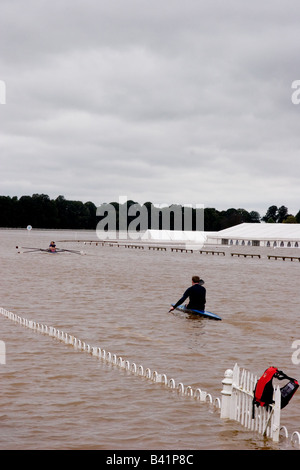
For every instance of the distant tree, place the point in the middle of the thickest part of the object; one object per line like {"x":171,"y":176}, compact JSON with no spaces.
{"x":244,"y":216}
{"x":275,"y":214}
{"x":254,"y":217}
{"x":76,"y":215}
{"x":212,"y":220}
{"x":290,"y":219}
{"x":91,"y":215}
{"x":271,"y":215}
{"x":215,"y":220}
{"x":282,"y":214}
{"x":8,"y":207}
{"x":229,"y":218}
{"x":61,"y":205}
{"x":44,"y":211}
{"x":40,"y":211}
{"x":25,"y":212}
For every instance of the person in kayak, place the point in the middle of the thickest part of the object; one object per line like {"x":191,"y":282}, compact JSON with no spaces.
{"x":196,"y":294}
{"x":52,"y":247}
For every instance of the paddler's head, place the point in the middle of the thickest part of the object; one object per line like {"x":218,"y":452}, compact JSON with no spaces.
{"x":197,"y":280}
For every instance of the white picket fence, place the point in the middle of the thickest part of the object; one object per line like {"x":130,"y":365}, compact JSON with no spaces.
{"x":237,"y":393}
{"x":237,"y":404}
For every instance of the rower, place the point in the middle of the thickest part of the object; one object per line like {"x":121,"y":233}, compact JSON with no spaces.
{"x":52,"y":247}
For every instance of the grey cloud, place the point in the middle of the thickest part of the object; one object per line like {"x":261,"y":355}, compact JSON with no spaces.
{"x":178,"y":101}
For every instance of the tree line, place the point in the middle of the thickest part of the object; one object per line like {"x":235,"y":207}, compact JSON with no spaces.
{"x":40,"y":211}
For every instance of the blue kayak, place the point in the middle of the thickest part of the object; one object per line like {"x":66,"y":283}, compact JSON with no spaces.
{"x":213,"y":316}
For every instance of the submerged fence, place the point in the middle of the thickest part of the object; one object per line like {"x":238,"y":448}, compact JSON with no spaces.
{"x":237,"y":393}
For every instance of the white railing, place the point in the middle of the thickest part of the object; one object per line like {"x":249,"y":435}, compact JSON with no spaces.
{"x":237,"y":393}
{"x":237,"y":404}
{"x":113,"y":359}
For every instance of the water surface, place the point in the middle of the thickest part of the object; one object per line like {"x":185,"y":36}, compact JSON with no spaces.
{"x":116,"y":298}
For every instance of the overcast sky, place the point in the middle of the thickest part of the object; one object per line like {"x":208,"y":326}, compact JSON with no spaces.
{"x":168,"y":101}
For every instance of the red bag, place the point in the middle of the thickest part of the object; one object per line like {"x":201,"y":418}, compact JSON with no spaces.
{"x":263,"y":392}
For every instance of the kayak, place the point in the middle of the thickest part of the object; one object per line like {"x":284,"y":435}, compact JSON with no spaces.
{"x":206,"y":314}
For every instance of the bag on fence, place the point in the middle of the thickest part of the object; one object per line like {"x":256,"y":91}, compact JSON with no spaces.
{"x":263,"y":392}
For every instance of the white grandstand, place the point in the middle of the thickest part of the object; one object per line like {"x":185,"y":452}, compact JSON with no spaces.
{"x":263,"y":234}
{"x":269,"y":235}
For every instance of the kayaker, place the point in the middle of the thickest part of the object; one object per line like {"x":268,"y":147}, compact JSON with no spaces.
{"x":196,"y":294}
{"x":52,"y":247}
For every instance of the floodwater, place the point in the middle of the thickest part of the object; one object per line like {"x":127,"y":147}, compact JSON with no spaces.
{"x":56,"y":397}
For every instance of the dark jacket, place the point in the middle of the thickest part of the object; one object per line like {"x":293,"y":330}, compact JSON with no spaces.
{"x":197,"y":296}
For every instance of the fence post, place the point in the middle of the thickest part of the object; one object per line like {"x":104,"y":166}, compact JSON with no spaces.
{"x":226,"y":394}
{"x":277,"y":411}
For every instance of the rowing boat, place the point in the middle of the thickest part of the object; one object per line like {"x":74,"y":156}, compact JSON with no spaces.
{"x":47,"y":251}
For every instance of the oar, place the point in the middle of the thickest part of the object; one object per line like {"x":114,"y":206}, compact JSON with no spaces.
{"x":37,"y":250}
{"x":76,"y":252}
{"x":29,"y":251}
{"x":31,"y":248}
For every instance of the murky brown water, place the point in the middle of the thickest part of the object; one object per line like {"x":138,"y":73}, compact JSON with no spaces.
{"x":54,"y":397}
